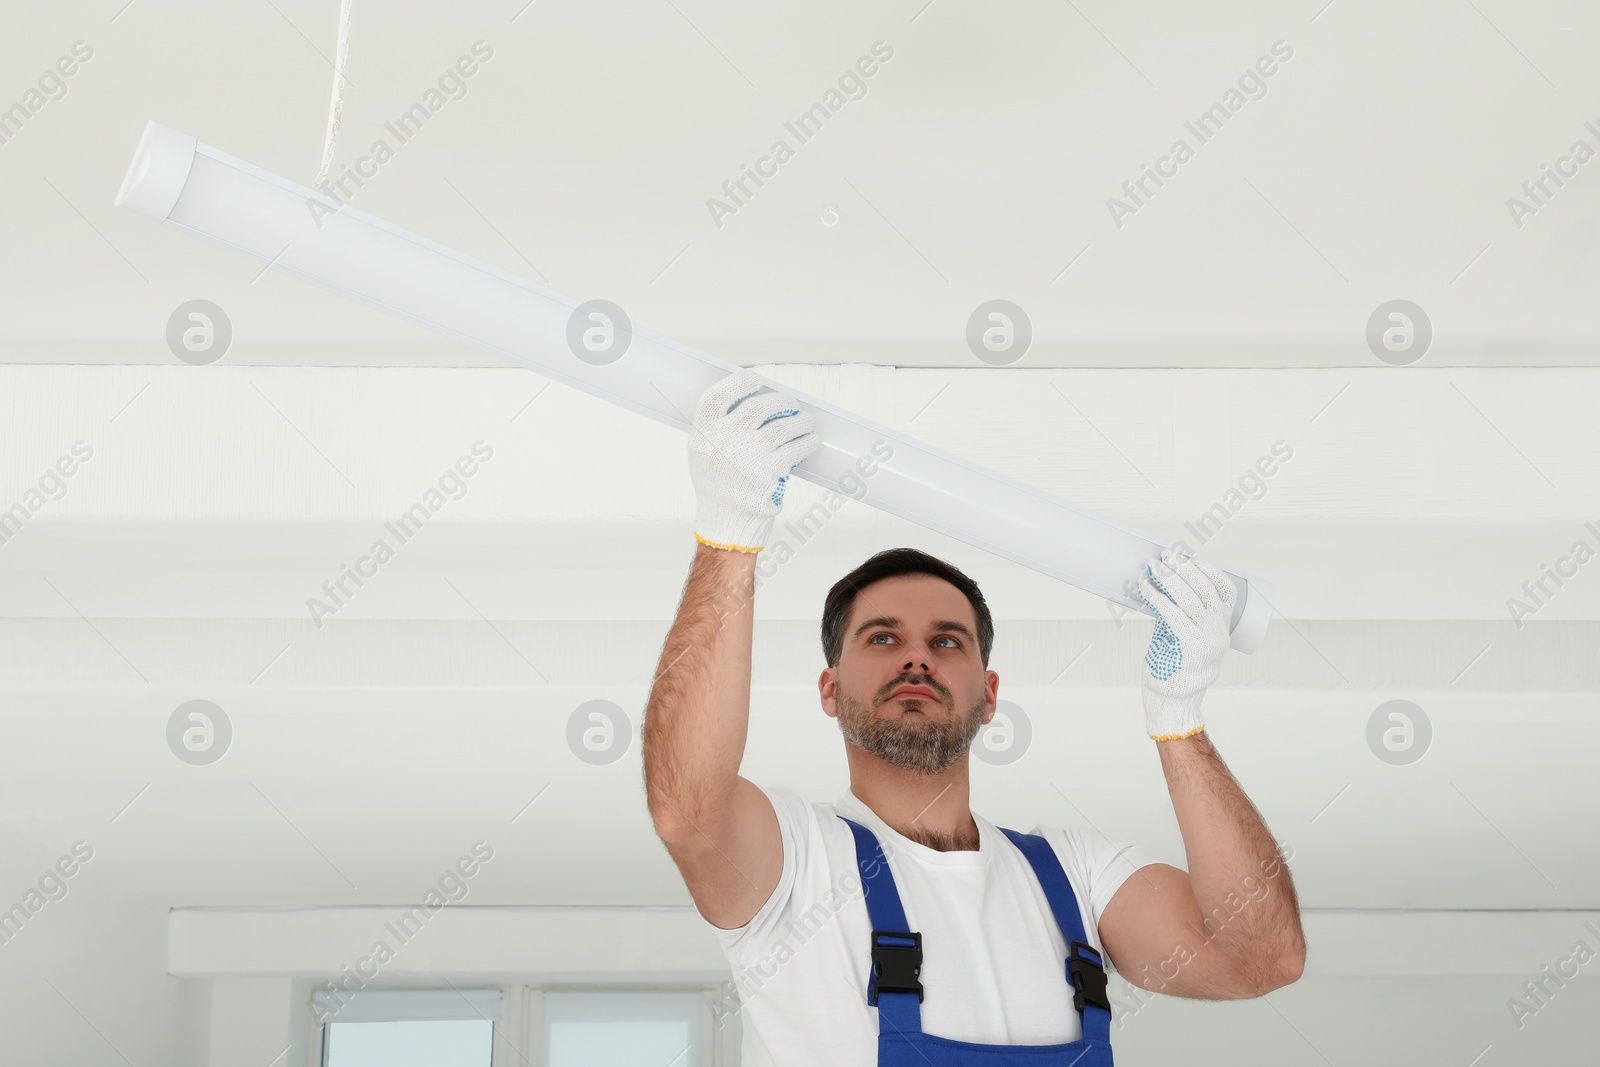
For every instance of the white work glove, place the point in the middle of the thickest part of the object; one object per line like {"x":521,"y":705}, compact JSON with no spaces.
{"x":1195,"y":603}
{"x":741,"y":450}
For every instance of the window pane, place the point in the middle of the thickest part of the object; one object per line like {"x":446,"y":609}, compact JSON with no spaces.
{"x":412,"y":1043}
{"x":621,"y":1029}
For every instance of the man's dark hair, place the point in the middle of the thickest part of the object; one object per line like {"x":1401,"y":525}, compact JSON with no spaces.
{"x":887,"y":564}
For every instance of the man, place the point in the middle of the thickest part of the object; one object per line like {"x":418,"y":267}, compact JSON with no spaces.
{"x":898,"y":927}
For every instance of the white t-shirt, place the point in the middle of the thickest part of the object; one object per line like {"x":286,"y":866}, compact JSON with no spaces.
{"x":993,"y":967}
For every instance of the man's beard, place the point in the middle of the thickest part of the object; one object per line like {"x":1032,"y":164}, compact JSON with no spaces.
{"x":919,"y":744}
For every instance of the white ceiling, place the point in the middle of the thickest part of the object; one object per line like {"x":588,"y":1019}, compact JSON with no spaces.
{"x":372,"y":751}
{"x":978,"y":165}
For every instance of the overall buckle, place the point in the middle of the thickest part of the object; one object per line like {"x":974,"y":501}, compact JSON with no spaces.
{"x":1088,"y":977}
{"x":895,"y":963}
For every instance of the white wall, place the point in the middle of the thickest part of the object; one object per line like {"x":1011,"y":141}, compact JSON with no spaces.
{"x":1381,"y":1022}
{"x":85,"y":981}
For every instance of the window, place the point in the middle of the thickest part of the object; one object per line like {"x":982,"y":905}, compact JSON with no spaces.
{"x":622,"y":1029}
{"x":408,"y":1027}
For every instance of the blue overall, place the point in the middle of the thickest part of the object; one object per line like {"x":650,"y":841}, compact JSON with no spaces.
{"x":897,"y":959}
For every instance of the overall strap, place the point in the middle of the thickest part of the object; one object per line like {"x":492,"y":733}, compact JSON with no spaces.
{"x":1085,"y":970}
{"x":896,"y":950}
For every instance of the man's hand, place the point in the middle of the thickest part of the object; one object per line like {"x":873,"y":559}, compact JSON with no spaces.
{"x":741,"y":450}
{"x":1194,"y":601}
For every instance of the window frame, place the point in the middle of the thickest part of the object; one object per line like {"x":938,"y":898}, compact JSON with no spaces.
{"x":424,"y":1003}
{"x":520,"y":1031}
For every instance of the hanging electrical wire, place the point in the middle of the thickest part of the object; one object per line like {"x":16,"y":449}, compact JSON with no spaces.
{"x":336,"y":106}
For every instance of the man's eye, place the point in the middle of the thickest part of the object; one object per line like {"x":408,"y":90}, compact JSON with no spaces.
{"x":942,"y":637}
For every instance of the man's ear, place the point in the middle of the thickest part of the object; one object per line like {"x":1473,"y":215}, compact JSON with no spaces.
{"x":991,"y":695}
{"x":827,"y":689}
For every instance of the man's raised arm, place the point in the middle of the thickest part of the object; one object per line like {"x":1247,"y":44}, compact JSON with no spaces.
{"x":720,"y":828}
{"x":1229,"y":927}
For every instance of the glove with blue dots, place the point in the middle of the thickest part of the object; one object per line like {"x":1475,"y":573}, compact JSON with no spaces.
{"x":1194,"y":603}
{"x":742,"y":448}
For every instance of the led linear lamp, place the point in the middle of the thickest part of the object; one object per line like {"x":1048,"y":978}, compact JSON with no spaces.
{"x":191,"y":186}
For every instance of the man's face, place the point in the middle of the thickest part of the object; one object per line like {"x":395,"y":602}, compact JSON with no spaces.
{"x":904,"y":633}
